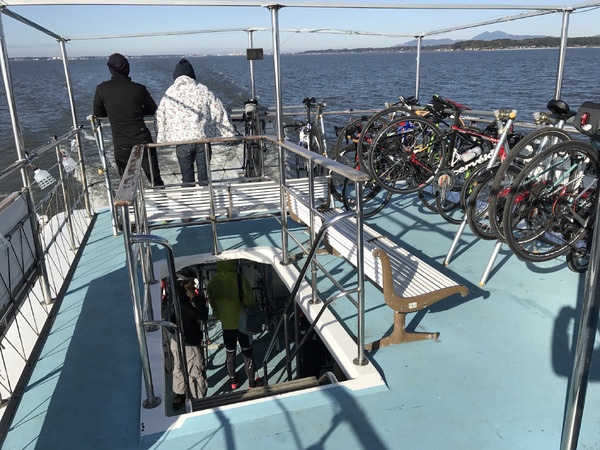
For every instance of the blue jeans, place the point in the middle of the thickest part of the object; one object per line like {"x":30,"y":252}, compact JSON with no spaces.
{"x":187,"y":154}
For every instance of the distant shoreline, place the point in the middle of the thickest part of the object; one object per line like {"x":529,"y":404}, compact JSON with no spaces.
{"x":462,"y":46}
{"x":476,"y":45}
{"x":331,"y":52}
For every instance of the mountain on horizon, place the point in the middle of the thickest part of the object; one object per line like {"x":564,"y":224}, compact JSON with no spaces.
{"x":485,"y":36}
{"x":492,"y":35}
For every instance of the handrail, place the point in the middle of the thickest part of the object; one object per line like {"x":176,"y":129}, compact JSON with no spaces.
{"x":130,"y":194}
{"x":141,"y":325}
{"x":298,"y":345}
{"x":299,"y":281}
{"x":335,"y":166}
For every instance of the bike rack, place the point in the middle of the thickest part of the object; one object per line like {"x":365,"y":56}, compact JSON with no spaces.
{"x":499,"y":116}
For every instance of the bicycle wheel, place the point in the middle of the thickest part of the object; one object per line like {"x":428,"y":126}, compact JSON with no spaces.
{"x":374,"y":197}
{"x":529,"y":146}
{"x":578,"y":261}
{"x":552,"y":202}
{"x":453,"y":192}
{"x":317,"y":146}
{"x":479,"y":213}
{"x":347,"y":137}
{"x":372,"y":126}
{"x":346,"y":156}
{"x":406,"y":155}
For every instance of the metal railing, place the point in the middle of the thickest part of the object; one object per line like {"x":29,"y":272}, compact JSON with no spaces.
{"x":38,"y":246}
{"x":130,"y":199}
{"x":569,"y":438}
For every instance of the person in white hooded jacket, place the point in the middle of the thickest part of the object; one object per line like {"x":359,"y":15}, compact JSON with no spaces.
{"x":190,"y":111}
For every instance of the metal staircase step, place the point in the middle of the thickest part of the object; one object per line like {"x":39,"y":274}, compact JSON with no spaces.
{"x":253,"y":394}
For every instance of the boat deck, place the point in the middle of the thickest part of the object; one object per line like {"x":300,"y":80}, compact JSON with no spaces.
{"x":496,"y":378}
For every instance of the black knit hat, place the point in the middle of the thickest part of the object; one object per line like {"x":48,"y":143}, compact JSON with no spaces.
{"x":117,"y":63}
{"x":184,"y":67}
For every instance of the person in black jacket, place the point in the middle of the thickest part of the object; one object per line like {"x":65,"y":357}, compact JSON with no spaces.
{"x":194,"y":312}
{"x":125,"y":103}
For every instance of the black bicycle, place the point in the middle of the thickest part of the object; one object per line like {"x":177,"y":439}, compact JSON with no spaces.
{"x":253,"y":162}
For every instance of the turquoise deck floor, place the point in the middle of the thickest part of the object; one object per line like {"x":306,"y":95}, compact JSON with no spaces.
{"x":497,"y":378}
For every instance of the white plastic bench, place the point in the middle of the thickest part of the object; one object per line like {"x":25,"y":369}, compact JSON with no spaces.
{"x":408,"y":283}
{"x":231,"y":199}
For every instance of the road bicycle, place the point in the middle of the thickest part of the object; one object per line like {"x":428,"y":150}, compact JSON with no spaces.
{"x":358,"y":134}
{"x":485,"y":207}
{"x":310,"y":136}
{"x":374,"y":197}
{"x":551,"y":206}
{"x":413,"y":153}
{"x":253,"y":159}
{"x":374,"y":124}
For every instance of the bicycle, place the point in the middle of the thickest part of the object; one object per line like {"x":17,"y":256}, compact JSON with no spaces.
{"x":377,"y":121}
{"x":414,"y":152}
{"x":253,"y":160}
{"x":310,"y":136}
{"x":374,"y":197}
{"x":498,"y":181}
{"x":550,"y":132}
{"x":359,"y":134}
{"x":553,"y":200}
{"x":550,"y":202}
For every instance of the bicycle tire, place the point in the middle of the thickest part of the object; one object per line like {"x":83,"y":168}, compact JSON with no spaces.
{"x":317,"y":136}
{"x":577,"y":262}
{"x":478,"y":210}
{"x":346,"y":156}
{"x":372,"y":127}
{"x":406,"y":155}
{"x":529,"y":146}
{"x":346,"y":137}
{"x":374,"y":198}
{"x":541,"y":222}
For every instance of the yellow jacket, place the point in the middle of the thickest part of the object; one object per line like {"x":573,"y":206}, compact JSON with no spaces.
{"x":223,"y":294}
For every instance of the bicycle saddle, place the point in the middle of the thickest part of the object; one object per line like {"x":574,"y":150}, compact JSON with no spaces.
{"x":560,"y":109}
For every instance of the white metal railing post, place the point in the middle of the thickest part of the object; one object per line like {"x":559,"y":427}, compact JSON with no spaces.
{"x":96,"y":123}
{"x":67,"y":206}
{"x":252,"y":84}
{"x":86,"y":193}
{"x":151,"y":400}
{"x":311,"y":212}
{"x":279,"y":113}
{"x":12,"y":106}
{"x":211,"y":197}
{"x":147,"y":265}
{"x":564,"y":35}
{"x":584,"y":349}
{"x":418,"y":69}
{"x":20,"y":146}
{"x":360,"y":273}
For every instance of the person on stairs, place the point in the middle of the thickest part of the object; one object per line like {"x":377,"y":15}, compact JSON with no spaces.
{"x":226,"y":301}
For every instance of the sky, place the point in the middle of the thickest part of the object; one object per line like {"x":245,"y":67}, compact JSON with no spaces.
{"x":93,"y":21}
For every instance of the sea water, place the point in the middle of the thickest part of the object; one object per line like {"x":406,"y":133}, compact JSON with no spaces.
{"x":485,"y":80}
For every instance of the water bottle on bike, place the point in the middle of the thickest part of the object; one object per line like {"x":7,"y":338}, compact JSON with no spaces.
{"x":470,"y":154}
